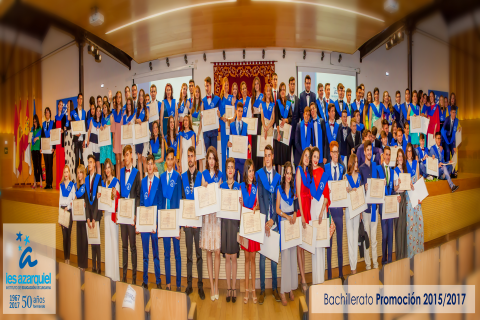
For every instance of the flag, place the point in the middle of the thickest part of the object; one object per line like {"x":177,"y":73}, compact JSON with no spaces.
{"x":19,"y":149}
{"x":16,"y":123}
{"x":25,"y":142}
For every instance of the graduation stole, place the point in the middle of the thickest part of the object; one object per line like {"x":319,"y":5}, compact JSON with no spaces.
{"x":236,"y":186}
{"x":305,"y":140}
{"x":284,"y":109}
{"x":167,"y":188}
{"x":397,"y":107}
{"x":181,"y":108}
{"x":413,"y":168}
{"x":258,"y":101}
{"x":353,"y":184}
{"x":36,"y":135}
{"x":306,"y":179}
{"x":195,"y":114}
{"x":288,"y":199}
{"x":328,"y":171}
{"x":105,"y":121}
{"x":213,"y":103}
{"x":270,"y":187}
{"x":170,"y":108}
{"x":95,"y":186}
{"x":60,"y":116}
{"x":426,"y":109}
{"x":233,"y":129}
{"x":360,"y":127}
{"x":224,"y":102}
{"x":376,"y":112}
{"x":421,"y":153}
{"x":332,"y":137}
{"x":155,"y":144}
{"x":112,"y":184}
{"x":126,"y":186}
{"x":127,"y":120}
{"x":267,"y":110}
{"x":403,"y":106}
{"x":246,"y":103}
{"x":66,"y":189}
{"x":187,"y":135}
{"x":50,"y":125}
{"x":75,"y":115}
{"x":189,"y":194}
{"x":454,"y":131}
{"x":148,"y":199}
{"x":216,"y":178}
{"x":374,"y":176}
{"x":415,"y":111}
{"x":435,"y":149}
{"x":248,"y":198}
{"x":443,"y":114}
{"x":317,"y":192}
{"x":319,"y":143}
{"x":345,"y":105}
{"x":141,"y":116}
{"x":320,"y":109}
{"x":80,"y":191}
{"x":117,"y":116}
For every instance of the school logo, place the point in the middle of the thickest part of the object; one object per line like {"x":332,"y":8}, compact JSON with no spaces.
{"x":25,"y":258}
{"x":82,"y":189}
{"x":245,"y":109}
{"x":146,"y":195}
{"x":172,"y":183}
{"x":187,"y":190}
{"x":270,"y":108}
{"x":216,"y":179}
{"x":235,"y":188}
{"x":271,"y":189}
{"x":322,"y":185}
{"x":254,"y":190}
{"x":129,"y":186}
{"x":69,"y":188}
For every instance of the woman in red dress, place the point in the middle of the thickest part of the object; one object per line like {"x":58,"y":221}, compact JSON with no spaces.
{"x":434,"y":115}
{"x":60,"y":122}
{"x":249,"y":200}
{"x":303,"y":180}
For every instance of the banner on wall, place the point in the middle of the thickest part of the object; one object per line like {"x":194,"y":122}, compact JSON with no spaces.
{"x":65,"y":101}
{"x":438,"y":94}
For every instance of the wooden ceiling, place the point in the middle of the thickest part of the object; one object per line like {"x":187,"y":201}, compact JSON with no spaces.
{"x":227,"y":25}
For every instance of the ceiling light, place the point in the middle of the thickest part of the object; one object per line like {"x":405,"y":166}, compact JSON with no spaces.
{"x":185,"y":58}
{"x":243,"y":54}
{"x":325,"y":6}
{"x":150,"y":65}
{"x":387,"y":74}
{"x":168,"y":63}
{"x":204,"y":57}
{"x":283,"y":53}
{"x":101,"y":86}
{"x":323,"y":55}
{"x":304,"y":54}
{"x":263,"y":54}
{"x":170,"y":11}
{"x":339,"y":58}
{"x":224,"y":55}
{"x":391,"y":6}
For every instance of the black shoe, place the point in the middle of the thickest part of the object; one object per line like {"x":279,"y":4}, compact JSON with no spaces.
{"x":454,"y":188}
{"x":159,"y":286}
{"x":94,"y":270}
{"x":144,"y":285}
{"x":201,"y":294}
{"x":189,"y":290}
{"x":228,"y":297}
{"x":234,"y":299}
{"x":169,"y":288}
{"x":99,"y":271}
{"x":134,"y":281}
{"x":453,"y":175}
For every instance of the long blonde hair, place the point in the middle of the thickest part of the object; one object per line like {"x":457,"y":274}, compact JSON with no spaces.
{"x":222,"y":92}
{"x":181,"y":97}
{"x":69,"y":174}
{"x":81,"y":168}
{"x":115,"y":106}
{"x":197,"y":104}
{"x":104,"y":174}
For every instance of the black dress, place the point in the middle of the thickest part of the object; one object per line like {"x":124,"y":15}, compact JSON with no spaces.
{"x":257,"y":161}
{"x":281,"y":151}
{"x":82,"y":241}
{"x":229,"y":244}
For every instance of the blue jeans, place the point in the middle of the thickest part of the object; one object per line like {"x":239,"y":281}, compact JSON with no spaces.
{"x":387,"y":239}
{"x":178,"y":260}
{"x":444,"y":174}
{"x":239,"y":167}
{"x":156,"y":261}
{"x":337,"y":217}
{"x":273,"y":266}
{"x":210,"y":139}
{"x":423,"y":169}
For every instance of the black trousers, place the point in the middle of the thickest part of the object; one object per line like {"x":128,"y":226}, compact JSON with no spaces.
{"x":190,"y":235}
{"x":128,"y":234}
{"x":37,"y":164}
{"x":96,"y":255}
{"x":78,"y":149}
{"x":67,"y":238}
{"x":48,"y":159}
{"x":82,"y":244}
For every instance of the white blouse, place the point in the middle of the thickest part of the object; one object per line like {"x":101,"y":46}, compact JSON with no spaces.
{"x":67,"y":201}
{"x":117,"y":188}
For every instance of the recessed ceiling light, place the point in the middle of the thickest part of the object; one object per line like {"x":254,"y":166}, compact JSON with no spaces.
{"x":101,"y":86}
{"x":170,"y":11}
{"x":325,"y":6}
{"x":387,"y":74}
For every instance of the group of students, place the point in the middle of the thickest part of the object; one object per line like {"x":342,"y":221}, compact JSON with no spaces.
{"x":325,"y":147}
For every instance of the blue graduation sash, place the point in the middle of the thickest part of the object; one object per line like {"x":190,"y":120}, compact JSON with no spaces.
{"x":141,"y":116}
{"x":195,"y":114}
{"x":50,"y":126}
{"x":284,"y":109}
{"x":225,"y":102}
{"x":389,"y":186}
{"x":262,"y":176}
{"x":288,"y":199}
{"x":415,"y":111}
{"x":360,"y":127}
{"x":112,"y":184}
{"x":213,"y":103}
{"x":95,"y":186}
{"x":233,"y":128}
{"x":174,"y":144}
{"x":412,"y":169}
{"x":245,"y":106}
{"x":167,"y":188}
{"x":236,"y":185}
{"x":248,"y":198}
{"x":66,"y":190}
{"x":267,"y":111}
{"x":216,"y":178}
{"x":375,"y":110}
{"x":37,"y":135}
{"x":187,"y":135}
{"x":148,"y":199}
{"x":320,"y":110}
{"x":319,"y":143}
{"x":79,"y":191}
{"x":189,"y":194}
{"x":306,"y":179}
{"x":155,"y":144}
{"x":105,"y":120}
{"x":443,"y":114}
{"x":329,"y":132}
{"x":317,"y":192}
{"x":404,"y":143}
{"x":170,"y":109}
{"x":422,"y":154}
{"x":182,"y":107}
{"x":353,"y":184}
{"x":345,"y":105}
{"x":426,"y":109}
{"x":258,"y":101}
{"x":306,"y":141}
{"x":127,"y":120}
{"x":328,"y":171}
{"x":125,"y":186}
{"x":75,"y":115}
{"x":117,"y":117}
{"x":454,"y":132}
{"x":435,"y":149}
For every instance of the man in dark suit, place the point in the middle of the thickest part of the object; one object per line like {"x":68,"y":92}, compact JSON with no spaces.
{"x":129,"y":189}
{"x":295,"y":104}
{"x":327,"y":99}
{"x":322,"y":107}
{"x":332,"y":128}
{"x":303,"y":136}
{"x":343,"y":133}
{"x":92,"y":181}
{"x":341,"y":105}
{"x":376,"y":152}
{"x":449,"y":132}
{"x":319,"y":134}
{"x":77,"y":115}
{"x":358,"y":104}
{"x":305,"y":98}
{"x":354,"y":138}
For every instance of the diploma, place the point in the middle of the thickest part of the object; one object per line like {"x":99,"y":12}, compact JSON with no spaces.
{"x":391,"y":204}
{"x":377,"y":188}
{"x":458,"y":138}
{"x":104,"y":137}
{"x":141,"y":130}
{"x":206,"y":196}
{"x":405,"y":181}
{"x":416,"y":123}
{"x":243,"y":241}
{"x":78,"y":127}
{"x":106,"y":196}
{"x":419,"y":193}
{"x":393,"y":156}
{"x":292,"y":231}
{"x":431,"y":140}
{"x":432,"y":166}
{"x":127,"y":132}
{"x":229,"y":112}
{"x":357,"y":198}
{"x":63,"y":217}
{"x":168,"y":219}
{"x":322,"y":229}
{"x":239,"y":143}
{"x":286,"y":130}
{"x":229,"y":200}
{"x":93,"y":232}
{"x":46,"y":147}
{"x":269,"y":132}
{"x":55,"y":135}
{"x":152,"y":112}
{"x":210,"y":120}
{"x":30,"y":137}
{"x":339,"y":190}
{"x":79,"y":210}
{"x":307,"y":234}
{"x":377,"y":124}
{"x":146,"y":216}
{"x":251,"y":222}
{"x":126,"y":207}
{"x":252,"y":125}
{"x":262,"y":143}
{"x":188,"y":211}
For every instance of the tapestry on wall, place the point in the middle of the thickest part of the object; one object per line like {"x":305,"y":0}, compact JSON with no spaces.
{"x":242,"y":71}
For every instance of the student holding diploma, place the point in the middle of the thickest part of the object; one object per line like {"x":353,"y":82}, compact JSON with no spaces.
{"x":210,"y":238}
{"x":187,"y":138}
{"x":401,"y":222}
{"x":230,"y":228}
{"x":283,"y":115}
{"x":285,"y":209}
{"x":35,"y":148}
{"x":304,"y":137}
{"x":48,"y":125}
{"x":67,"y":194}
{"x":171,"y":140}
{"x":449,"y":133}
{"x":141,"y":115}
{"x":269,"y":181}
{"x":92,"y":140}
{"x":415,"y":234}
{"x":444,"y":171}
{"x":354,"y":181}
{"x":168,"y":108}
{"x":319,"y":187}
{"x":111,"y":228}
{"x":82,"y":241}
{"x":130,"y":184}
{"x":238,"y":128}
{"x":128,"y":118}
{"x":116,"y":128}
{"x":191,"y":179}
{"x":257,"y":98}
{"x":156,"y":148}
{"x":268,"y":116}
{"x":302,"y":189}
{"x":106,"y":152}
{"x":210,"y":101}
{"x":171,"y":185}
{"x":92,"y":181}
{"x":249,"y":189}
{"x":150,"y":195}
{"x":60,"y":122}
{"x":226,"y":100}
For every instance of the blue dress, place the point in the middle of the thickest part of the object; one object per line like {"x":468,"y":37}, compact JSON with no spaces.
{"x":415,"y":235}
{"x":106,"y":152}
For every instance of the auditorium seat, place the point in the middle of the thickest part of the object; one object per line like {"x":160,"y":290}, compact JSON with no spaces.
{"x":465,"y":256}
{"x":396,"y":273}
{"x":448,"y":273}
{"x":370,"y":277}
{"x":127,"y":313}
{"x":426,"y":267}
{"x":310,"y":298}
{"x":98,"y":296}
{"x":474,"y":280}
{"x":477,"y":249}
{"x":69,"y":292}
{"x":166,"y":305}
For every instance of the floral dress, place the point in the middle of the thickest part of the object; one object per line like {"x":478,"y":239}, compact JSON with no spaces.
{"x":415,"y":235}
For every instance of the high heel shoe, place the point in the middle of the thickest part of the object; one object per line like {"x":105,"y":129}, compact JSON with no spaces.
{"x":228,"y":295}
{"x":212,"y":295}
{"x":246,"y":297}
{"x":234,"y":298}
{"x":254,"y":298}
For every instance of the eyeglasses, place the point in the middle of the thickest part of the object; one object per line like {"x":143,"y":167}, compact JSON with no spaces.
{"x":334,"y":152}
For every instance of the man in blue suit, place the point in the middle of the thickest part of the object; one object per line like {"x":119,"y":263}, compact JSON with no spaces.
{"x":361,"y":149}
{"x":332,"y":128}
{"x":341,"y":105}
{"x":210,"y":101}
{"x":304,"y":136}
{"x":358,"y":105}
{"x":295,"y":102}
{"x":238,"y":128}
{"x":305,"y":98}
{"x":150,"y":194}
{"x":449,"y":132}
{"x":268,"y":180}
{"x":319,"y":133}
{"x":171,"y":183}
{"x":443,"y":171}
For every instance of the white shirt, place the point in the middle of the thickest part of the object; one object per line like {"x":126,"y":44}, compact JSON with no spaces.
{"x":67,"y":201}
{"x":275,"y":94}
{"x":239,"y":124}
{"x":331,"y":127}
{"x":308,"y":98}
{"x":315,"y":127}
{"x":358,"y":104}
{"x":169,"y":173}
{"x":269,"y":175}
{"x":92,"y":176}
{"x":327,"y":101}
{"x":209,"y":100}
{"x":80,"y":116}
{"x":333,"y":170}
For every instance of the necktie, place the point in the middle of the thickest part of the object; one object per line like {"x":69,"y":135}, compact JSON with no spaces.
{"x":168,"y":200}
{"x":47,"y":126}
{"x":239,"y":129}
{"x":91,"y":186}
{"x":270,"y":205}
{"x":451,"y":127}
{"x":335,"y":173}
{"x":127,"y":170}
{"x":209,"y":97}
{"x":275,"y":95}
{"x":332,"y":125}
{"x":149,"y":187}
{"x":386,"y":172}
